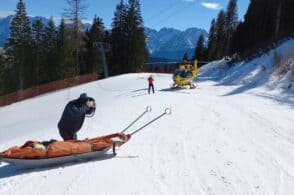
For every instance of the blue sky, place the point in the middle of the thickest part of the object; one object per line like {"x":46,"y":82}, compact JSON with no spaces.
{"x":179,"y":14}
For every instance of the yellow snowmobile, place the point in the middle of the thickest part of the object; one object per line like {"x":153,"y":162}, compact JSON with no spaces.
{"x":185,"y":75}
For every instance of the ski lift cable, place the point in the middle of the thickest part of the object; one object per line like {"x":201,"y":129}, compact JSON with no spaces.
{"x":176,"y":12}
{"x":163,"y":11}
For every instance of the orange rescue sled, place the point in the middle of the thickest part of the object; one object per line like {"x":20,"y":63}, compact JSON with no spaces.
{"x":34,"y":154}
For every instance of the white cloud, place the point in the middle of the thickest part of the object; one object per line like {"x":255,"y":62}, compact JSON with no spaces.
{"x":6,"y":13}
{"x":210,"y":5}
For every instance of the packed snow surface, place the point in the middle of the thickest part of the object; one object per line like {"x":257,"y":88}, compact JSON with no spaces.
{"x":230,"y":135}
{"x":213,"y":143}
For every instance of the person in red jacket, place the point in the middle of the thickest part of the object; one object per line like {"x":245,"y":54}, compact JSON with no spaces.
{"x":150,"y":82}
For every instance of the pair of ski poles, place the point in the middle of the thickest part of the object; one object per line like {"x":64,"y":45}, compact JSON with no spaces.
{"x":167,"y":111}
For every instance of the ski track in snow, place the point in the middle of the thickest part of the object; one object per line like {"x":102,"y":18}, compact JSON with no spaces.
{"x":211,"y":144}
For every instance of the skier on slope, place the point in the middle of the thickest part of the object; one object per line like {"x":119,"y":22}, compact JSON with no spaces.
{"x":150,"y":84}
{"x":74,"y":115}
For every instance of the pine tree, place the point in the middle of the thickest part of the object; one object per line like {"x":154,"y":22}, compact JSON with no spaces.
{"x":200,"y":51}
{"x":38,"y":48}
{"x":231,"y":23}
{"x":49,"y":69}
{"x":185,"y":57}
{"x":286,"y":18}
{"x":18,"y":49}
{"x":74,"y":14}
{"x":212,"y":41}
{"x":119,"y":42}
{"x":138,"y":53}
{"x":65,"y":59}
{"x":2,"y":75}
{"x":107,"y":36}
{"x":258,"y":27}
{"x":222,"y":31}
{"x":95,"y":35}
{"x":220,"y":35}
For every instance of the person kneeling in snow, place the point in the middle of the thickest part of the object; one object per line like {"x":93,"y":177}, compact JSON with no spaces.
{"x":74,"y":115}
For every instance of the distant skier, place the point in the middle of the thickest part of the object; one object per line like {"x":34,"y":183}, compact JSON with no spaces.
{"x":150,"y":82}
{"x":74,"y":115}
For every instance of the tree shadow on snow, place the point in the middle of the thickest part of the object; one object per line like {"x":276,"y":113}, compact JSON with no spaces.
{"x":143,"y":89}
{"x":141,"y":94}
{"x":241,"y":89}
{"x":177,"y":90}
{"x":167,"y":90}
{"x":286,"y":99}
{"x":9,"y":170}
{"x":253,"y":81}
{"x":173,"y":89}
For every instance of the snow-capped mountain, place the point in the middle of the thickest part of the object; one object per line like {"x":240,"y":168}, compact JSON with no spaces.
{"x":171,"y":43}
{"x":168,"y":43}
{"x":4,"y":29}
{"x":5,"y":23}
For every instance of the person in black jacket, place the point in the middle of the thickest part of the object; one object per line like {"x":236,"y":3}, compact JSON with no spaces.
{"x":74,"y":115}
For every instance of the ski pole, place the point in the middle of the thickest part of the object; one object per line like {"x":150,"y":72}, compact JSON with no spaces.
{"x":148,"y":109}
{"x":167,"y":111}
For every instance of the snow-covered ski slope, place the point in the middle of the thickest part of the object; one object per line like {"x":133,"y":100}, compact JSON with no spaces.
{"x":218,"y":140}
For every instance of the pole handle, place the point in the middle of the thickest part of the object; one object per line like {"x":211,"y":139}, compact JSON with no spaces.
{"x":148,"y":109}
{"x":168,"y":111}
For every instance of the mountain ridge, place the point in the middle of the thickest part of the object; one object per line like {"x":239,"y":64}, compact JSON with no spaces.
{"x":171,"y":43}
{"x":166,"y":43}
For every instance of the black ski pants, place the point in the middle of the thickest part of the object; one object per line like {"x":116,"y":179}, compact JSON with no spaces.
{"x":151,"y":86}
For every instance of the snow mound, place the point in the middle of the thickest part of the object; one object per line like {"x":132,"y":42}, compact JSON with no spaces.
{"x":260,"y":71}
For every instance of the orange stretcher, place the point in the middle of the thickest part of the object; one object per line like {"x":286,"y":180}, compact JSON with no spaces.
{"x":34,"y":154}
